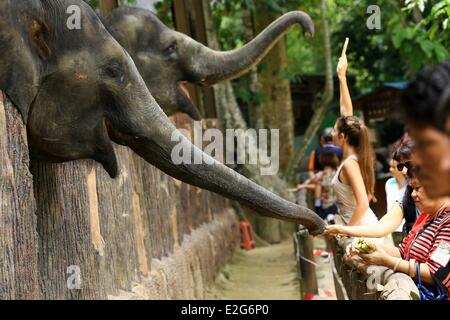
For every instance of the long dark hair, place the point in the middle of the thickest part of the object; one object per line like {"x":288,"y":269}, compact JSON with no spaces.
{"x":357,"y":135}
{"x":329,"y":158}
{"x":403,"y":149}
{"x":426,"y":100}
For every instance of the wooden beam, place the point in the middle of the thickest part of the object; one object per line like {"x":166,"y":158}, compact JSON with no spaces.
{"x":107,"y":5}
{"x":189,"y":18}
{"x":181,"y":22}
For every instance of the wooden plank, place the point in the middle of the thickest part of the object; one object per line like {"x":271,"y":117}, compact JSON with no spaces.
{"x":63,"y":224}
{"x":118,"y":225}
{"x":182,"y":24}
{"x":190,"y":19}
{"x":18,"y":236}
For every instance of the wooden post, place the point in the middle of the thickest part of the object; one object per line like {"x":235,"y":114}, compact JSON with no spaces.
{"x":69,"y":264}
{"x":18,"y":236}
{"x":189,"y":18}
{"x":107,"y":5}
{"x":307,"y":266}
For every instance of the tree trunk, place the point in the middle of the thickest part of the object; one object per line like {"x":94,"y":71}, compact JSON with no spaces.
{"x":320,"y":105}
{"x":18,"y":237}
{"x":277,"y":108}
{"x":232,"y":118}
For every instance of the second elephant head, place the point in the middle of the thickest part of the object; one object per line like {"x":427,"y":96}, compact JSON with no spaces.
{"x":167,"y":58}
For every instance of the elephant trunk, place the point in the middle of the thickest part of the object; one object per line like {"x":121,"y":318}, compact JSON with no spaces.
{"x":155,"y":142}
{"x":209,"y":67}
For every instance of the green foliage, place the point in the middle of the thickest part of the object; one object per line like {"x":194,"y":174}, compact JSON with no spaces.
{"x":414,"y":33}
{"x":424,"y":41}
{"x":306,"y":55}
{"x":229,"y":22}
{"x":164,"y":12}
{"x":388,"y":130}
{"x":371,"y":54}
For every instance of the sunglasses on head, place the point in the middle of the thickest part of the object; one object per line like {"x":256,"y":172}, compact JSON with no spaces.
{"x":407,"y":164}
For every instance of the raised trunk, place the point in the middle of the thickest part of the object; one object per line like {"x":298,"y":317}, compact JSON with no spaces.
{"x":232,"y":117}
{"x":210,"y":67}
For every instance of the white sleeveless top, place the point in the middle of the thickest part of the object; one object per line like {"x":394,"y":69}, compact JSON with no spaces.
{"x":346,"y":201}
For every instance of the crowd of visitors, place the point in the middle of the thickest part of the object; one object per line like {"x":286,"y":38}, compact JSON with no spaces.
{"x":342,"y":172}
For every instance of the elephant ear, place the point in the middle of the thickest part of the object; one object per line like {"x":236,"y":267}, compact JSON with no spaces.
{"x":39,"y":38}
{"x":23,"y":75}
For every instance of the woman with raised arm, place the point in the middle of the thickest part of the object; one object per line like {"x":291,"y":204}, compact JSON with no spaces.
{"x":354,"y":181}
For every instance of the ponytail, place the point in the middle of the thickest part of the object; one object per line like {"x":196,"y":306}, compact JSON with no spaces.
{"x":357,"y":135}
{"x":366,"y":159}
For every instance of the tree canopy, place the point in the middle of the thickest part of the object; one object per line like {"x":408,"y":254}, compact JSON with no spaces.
{"x":413,"y":34}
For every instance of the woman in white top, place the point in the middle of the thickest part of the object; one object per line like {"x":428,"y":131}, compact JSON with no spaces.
{"x":354,"y":181}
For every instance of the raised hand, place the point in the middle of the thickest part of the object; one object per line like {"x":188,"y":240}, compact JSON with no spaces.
{"x":342,"y":66}
{"x":342,"y":63}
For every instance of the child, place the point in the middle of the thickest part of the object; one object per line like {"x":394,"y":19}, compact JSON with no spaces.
{"x":321,"y":183}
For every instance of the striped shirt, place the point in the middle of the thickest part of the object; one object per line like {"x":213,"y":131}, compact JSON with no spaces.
{"x":426,"y":241}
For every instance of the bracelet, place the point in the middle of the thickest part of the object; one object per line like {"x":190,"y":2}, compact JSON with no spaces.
{"x":397,"y":264}
{"x":412,"y":265}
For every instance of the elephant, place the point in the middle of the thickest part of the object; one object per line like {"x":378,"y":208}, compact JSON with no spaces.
{"x":166,"y":58}
{"x":78,"y":90}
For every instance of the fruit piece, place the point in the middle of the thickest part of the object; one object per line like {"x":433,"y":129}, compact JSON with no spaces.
{"x":364,"y":245}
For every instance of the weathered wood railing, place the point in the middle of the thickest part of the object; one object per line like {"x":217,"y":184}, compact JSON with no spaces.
{"x":68,"y":231}
{"x":357,"y":282}
{"x":304,"y":249}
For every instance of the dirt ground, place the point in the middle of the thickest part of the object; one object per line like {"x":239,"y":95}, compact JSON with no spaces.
{"x":269,"y":273}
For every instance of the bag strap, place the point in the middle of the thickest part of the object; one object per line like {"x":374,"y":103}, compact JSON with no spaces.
{"x":426,"y":294}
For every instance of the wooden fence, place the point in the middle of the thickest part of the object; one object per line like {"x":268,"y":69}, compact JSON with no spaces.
{"x":356,"y":282}
{"x":68,"y":231}
{"x":351,"y":280}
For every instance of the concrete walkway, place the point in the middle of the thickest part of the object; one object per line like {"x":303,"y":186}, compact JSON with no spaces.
{"x":271,"y":273}
{"x":324,"y":271}
{"x":263,"y":273}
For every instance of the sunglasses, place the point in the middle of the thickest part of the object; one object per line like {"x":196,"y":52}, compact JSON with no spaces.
{"x":407,"y":164}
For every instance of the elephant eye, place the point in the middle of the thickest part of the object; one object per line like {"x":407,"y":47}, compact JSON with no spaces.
{"x":172,"y":48}
{"x":114,"y":70}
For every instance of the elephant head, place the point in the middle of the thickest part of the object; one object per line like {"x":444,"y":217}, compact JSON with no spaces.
{"x":167,"y":58}
{"x":79,"y":89}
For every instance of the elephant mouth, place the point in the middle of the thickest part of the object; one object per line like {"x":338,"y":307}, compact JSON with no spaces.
{"x":185,"y":103}
{"x":184,"y":88}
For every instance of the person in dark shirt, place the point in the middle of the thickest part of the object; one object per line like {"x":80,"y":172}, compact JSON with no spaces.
{"x":326,"y":144}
